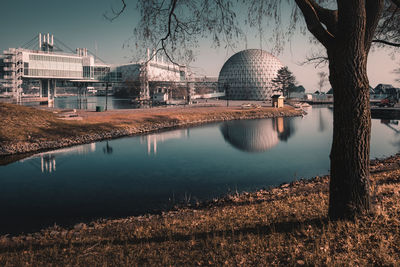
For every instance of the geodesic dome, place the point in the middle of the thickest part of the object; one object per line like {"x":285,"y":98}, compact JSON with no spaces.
{"x":248,"y":75}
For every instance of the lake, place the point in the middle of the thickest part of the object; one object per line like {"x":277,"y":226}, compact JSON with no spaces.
{"x":136,"y":175}
{"x":71,"y":102}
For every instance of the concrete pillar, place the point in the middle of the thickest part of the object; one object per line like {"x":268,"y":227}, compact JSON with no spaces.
{"x":50,"y":94}
{"x":48,"y":89}
{"x":55,"y":88}
{"x":40,"y":88}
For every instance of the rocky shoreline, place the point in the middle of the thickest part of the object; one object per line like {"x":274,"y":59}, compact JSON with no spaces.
{"x":9,"y":148}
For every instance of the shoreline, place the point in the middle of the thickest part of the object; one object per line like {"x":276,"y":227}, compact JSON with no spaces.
{"x":285,"y":224}
{"x":88,"y":126}
{"x":270,"y":193}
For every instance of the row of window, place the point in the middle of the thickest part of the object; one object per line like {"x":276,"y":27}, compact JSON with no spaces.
{"x":53,"y":73}
{"x":55,"y":58}
{"x":173,"y":69}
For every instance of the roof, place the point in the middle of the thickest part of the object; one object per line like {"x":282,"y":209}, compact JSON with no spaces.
{"x":277,"y":96}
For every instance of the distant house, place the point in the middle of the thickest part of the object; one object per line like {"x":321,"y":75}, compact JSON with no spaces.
{"x":298,"y":89}
{"x":277,"y":101}
{"x":371,"y":91}
{"x":383,"y":88}
{"x":297,"y":92}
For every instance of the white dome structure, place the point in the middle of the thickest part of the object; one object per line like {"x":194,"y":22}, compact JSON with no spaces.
{"x":248,"y":75}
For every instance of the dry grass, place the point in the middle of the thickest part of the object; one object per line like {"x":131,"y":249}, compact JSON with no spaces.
{"x":26,"y":124}
{"x":282,"y":226}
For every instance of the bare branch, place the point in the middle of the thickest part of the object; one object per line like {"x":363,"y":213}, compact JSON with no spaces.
{"x":314,"y":24}
{"x":373,"y":9}
{"x":388,"y":30}
{"x":317,"y":58}
{"x":397,"y":71}
{"x":116,"y":14}
{"x":327,"y":16}
{"x":386,"y":42}
{"x":318,"y":62}
{"x":396,"y":2}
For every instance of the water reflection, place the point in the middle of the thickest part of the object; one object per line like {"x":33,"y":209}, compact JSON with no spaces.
{"x":390,"y":124}
{"x":107,"y":149}
{"x":393,"y":125}
{"x":250,"y":136}
{"x":153,"y":139}
{"x":48,"y":159}
{"x":285,"y":127}
{"x":114,"y":179}
{"x":257,"y":135}
{"x":322,"y":126}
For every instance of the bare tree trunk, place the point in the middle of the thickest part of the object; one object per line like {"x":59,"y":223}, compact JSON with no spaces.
{"x":349,"y":183}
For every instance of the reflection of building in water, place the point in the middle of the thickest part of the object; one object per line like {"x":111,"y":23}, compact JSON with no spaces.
{"x":153,"y":139}
{"x":48,"y":159}
{"x":251,"y":135}
{"x":284,"y":127}
{"x":393,"y":125}
{"x":390,"y":123}
{"x":107,"y":149}
{"x":48,"y":163}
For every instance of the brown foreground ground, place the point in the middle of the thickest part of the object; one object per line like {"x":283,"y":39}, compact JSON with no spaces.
{"x":26,"y":129}
{"x":281,"y":226}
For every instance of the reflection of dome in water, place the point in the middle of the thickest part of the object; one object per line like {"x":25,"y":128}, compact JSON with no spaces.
{"x":248,"y":75}
{"x":251,"y":136}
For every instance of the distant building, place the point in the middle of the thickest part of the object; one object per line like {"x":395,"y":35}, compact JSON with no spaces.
{"x":45,"y":67}
{"x":248,"y":75}
{"x":47,"y":64}
{"x":382,"y":91}
{"x":277,"y":101}
{"x":383,"y":88}
{"x":298,"y":92}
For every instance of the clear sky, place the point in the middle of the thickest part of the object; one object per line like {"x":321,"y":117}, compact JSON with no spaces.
{"x":81,"y":24}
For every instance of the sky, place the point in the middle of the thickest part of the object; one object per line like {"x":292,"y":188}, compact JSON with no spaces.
{"x":82,"y":24}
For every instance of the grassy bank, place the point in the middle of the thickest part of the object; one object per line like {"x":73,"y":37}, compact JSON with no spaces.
{"x":26,"y":129}
{"x":282,"y":226}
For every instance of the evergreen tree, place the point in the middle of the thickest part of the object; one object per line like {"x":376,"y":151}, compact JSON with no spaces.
{"x":285,"y":81}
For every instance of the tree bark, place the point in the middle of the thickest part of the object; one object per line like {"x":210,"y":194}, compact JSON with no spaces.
{"x":349,"y":184}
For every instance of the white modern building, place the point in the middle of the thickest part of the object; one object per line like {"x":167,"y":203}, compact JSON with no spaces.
{"x":47,"y":65}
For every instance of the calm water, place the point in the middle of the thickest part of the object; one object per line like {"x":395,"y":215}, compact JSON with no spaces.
{"x":71,"y":102}
{"x":131,"y":176}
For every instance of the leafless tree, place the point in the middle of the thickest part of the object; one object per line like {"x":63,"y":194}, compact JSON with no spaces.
{"x":388,"y":31}
{"x":317,"y":58}
{"x":397,"y":71}
{"x":346,"y":30}
{"x":323,"y":79}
